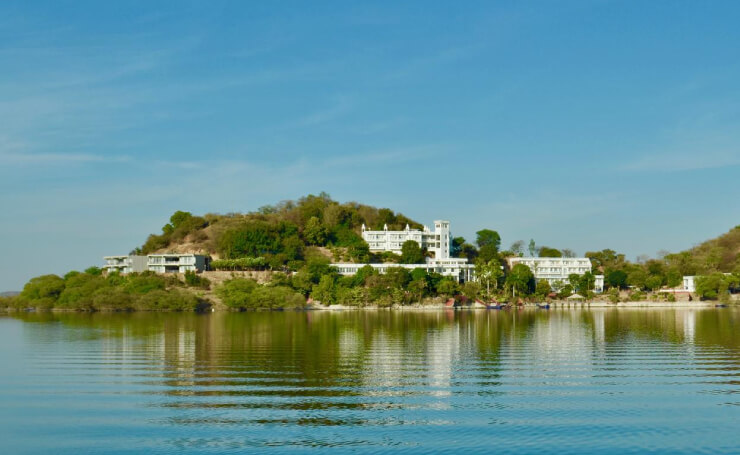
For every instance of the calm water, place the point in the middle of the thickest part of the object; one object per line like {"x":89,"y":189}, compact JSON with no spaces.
{"x":600,"y":381}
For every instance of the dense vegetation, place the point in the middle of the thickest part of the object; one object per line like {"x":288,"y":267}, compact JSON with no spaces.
{"x":91,"y":291}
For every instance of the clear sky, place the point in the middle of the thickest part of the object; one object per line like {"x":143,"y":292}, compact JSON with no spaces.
{"x":583,"y":125}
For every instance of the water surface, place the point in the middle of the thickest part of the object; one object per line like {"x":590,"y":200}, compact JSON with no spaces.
{"x":567,"y":381}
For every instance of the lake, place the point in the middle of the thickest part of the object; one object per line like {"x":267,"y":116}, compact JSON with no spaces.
{"x":606,"y":381}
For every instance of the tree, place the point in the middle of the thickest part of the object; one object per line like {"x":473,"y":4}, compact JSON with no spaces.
{"x":315,"y":232}
{"x":521,"y":280}
{"x":547,"y":252}
{"x":456,"y":246}
{"x":587,"y":283}
{"x":418,"y":287}
{"x":411,"y":253}
{"x":568,"y":253}
{"x":616,"y":279}
{"x":532,"y":247}
{"x":486,"y":237}
{"x":637,"y":278}
{"x":543,"y":289}
{"x":653,"y":282}
{"x":324,"y":290}
{"x":42,"y":291}
{"x":448,"y":286}
{"x":488,"y":273}
{"x":517,"y":248}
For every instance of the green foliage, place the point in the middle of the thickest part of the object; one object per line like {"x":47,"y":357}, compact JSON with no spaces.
{"x":521,"y":280}
{"x":487,"y":237}
{"x":244,"y":294}
{"x":411,"y":253}
{"x":324,"y":290}
{"x":547,"y":252}
{"x":91,"y":291}
{"x":315,"y":233}
{"x":94,"y":271}
{"x":616,"y":279}
{"x":448,"y":287}
{"x":715,"y":286}
{"x":488,"y":273}
{"x":542,"y":289}
{"x":42,"y":291}
{"x":194,"y":280}
{"x":246,"y":263}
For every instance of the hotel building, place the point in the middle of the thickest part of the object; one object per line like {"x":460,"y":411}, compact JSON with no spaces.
{"x":159,"y":263}
{"x":557,"y":270}
{"x":437,"y":242}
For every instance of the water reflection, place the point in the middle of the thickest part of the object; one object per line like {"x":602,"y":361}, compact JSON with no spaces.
{"x":220,"y":381}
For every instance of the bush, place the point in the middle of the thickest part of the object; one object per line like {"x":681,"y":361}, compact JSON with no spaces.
{"x":243,"y":293}
{"x":247,"y":263}
{"x":192,"y":279}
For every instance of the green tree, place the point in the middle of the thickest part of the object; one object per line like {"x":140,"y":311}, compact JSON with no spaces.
{"x":488,"y":242}
{"x":547,"y":252}
{"x":517,"y":248}
{"x":315,"y":232}
{"x":488,"y":237}
{"x":411,"y":253}
{"x":456,"y":246}
{"x":637,"y":278}
{"x":42,"y":291}
{"x":418,"y":287}
{"x":448,"y":287}
{"x":532,"y":247}
{"x":324,"y":290}
{"x":616,"y":279}
{"x":542,"y":289}
{"x":488,"y":273}
{"x":521,"y":280}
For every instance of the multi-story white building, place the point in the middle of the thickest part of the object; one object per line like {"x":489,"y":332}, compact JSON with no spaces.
{"x":178,"y":262}
{"x":557,"y":270}
{"x":125,"y":264}
{"x":159,"y":263}
{"x":456,"y":268}
{"x":436,"y":242}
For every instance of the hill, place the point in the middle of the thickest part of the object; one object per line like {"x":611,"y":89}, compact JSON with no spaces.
{"x":283,"y":234}
{"x":721,"y":254}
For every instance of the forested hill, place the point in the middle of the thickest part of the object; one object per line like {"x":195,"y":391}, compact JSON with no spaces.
{"x":282,"y":234}
{"x":721,"y":254}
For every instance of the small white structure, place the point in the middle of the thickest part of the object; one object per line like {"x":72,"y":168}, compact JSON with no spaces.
{"x":557,"y":270}
{"x":125,"y":264}
{"x":456,"y":268}
{"x":436,"y":242}
{"x":689,"y":283}
{"x":178,"y":262}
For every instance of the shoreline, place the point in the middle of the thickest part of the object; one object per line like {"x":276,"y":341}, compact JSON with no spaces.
{"x":416,"y":307}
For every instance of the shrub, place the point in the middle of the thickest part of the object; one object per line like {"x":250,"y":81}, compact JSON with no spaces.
{"x":194,"y":280}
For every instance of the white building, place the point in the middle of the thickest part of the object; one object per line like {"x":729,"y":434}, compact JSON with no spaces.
{"x":160,"y":263}
{"x":557,"y":270}
{"x":436,"y":242}
{"x":178,"y":262}
{"x":125,"y":264}
{"x":689,"y":283}
{"x":456,"y":268}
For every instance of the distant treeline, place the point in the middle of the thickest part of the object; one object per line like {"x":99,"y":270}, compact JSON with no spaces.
{"x":91,"y":291}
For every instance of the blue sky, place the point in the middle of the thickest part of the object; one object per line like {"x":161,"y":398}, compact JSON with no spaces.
{"x":583,"y":125}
